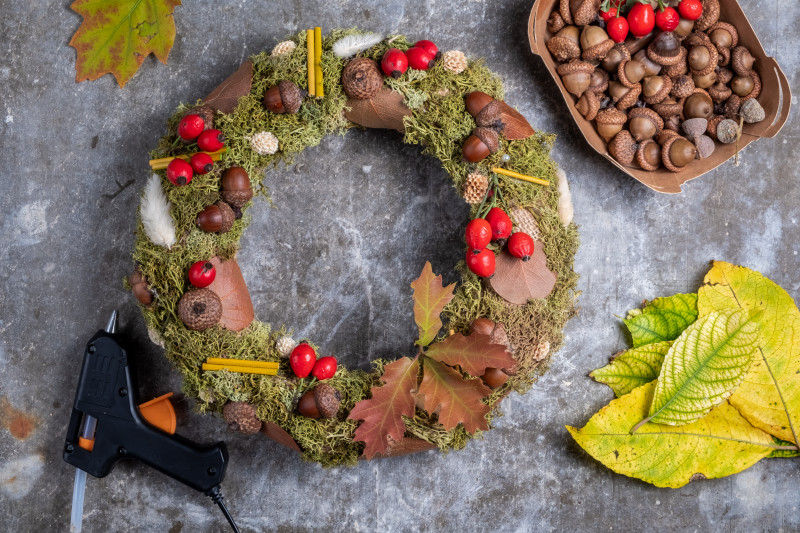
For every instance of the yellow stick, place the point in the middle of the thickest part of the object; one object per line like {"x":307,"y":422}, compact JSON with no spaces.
{"x":312,"y":84}
{"x":319,"y":92}
{"x":158,"y":164}
{"x":241,"y":362}
{"x":519,"y":176}
{"x":242,"y":369}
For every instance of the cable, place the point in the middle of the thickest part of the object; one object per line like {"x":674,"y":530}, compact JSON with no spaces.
{"x":216,"y":496}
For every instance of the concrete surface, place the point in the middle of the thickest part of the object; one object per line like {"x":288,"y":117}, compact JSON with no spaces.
{"x":73,"y":158}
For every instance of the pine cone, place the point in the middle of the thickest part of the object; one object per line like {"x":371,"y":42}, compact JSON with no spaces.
{"x":241,"y":416}
{"x":200,"y":309}
{"x":264,"y":143}
{"x":475,"y":188}
{"x":525,"y":221}
{"x":283,"y":48}
{"x":362,"y":78}
{"x":454,"y":61}
{"x":285,"y":345}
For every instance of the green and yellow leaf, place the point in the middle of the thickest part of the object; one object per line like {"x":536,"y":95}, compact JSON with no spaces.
{"x":662,"y":319}
{"x":719,"y":444}
{"x":633,"y":368}
{"x":769,"y":396}
{"x":704,"y":366}
{"x":474,"y":353}
{"x":455,"y":400}
{"x":116,"y":35}
{"x":430,"y":297}
{"x":785,"y":450}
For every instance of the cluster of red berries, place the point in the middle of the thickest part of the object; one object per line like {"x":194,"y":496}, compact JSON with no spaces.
{"x":303,"y":361}
{"x":202,"y":274}
{"x":642,"y":18}
{"x":421,"y":56}
{"x":192,"y":127}
{"x":496,"y":227}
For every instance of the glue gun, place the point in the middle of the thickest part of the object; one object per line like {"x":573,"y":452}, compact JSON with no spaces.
{"x":107,"y":425}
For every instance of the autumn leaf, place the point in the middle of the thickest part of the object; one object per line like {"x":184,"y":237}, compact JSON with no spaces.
{"x":382,"y":414}
{"x":229,"y":285}
{"x":784,"y":452}
{"x":116,"y":35}
{"x":769,"y":396}
{"x":429,"y":300}
{"x":719,"y":444}
{"x":633,"y":368}
{"x":384,"y":110}
{"x":454,"y":399}
{"x":662,"y":319}
{"x":474,"y":354}
{"x":517,"y":281}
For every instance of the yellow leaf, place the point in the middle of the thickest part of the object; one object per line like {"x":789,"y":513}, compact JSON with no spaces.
{"x":719,"y":444}
{"x":769,"y":396}
{"x":430,"y":297}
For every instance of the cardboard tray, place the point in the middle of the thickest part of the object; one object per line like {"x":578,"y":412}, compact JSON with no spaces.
{"x":775,"y":97}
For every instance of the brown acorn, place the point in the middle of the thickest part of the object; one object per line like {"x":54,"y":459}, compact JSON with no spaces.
{"x":494,"y":378}
{"x":685,"y":27}
{"x":321,"y":402}
{"x":286,"y":97}
{"x":576,"y":76}
{"x":216,"y":218}
{"x":655,"y":89}
{"x":677,"y":152}
{"x":588,"y":105}
{"x":698,"y":105}
{"x":495,"y":330}
{"x":480,"y":144}
{"x":705,"y":81}
{"x":723,"y":35}
{"x":139,"y":287}
{"x":648,"y":155}
{"x":555,"y":22}
{"x":644,"y":123}
{"x":236,"y":189}
{"x":651,"y":68}
{"x":742,"y":60}
{"x":199,"y":309}
{"x":710,"y":16}
{"x":476,"y":101}
{"x":742,"y":85}
{"x":609,"y":122}
{"x":624,"y":97}
{"x":583,"y":11}
{"x":489,"y":116}
{"x":362,"y":78}
{"x":614,"y":57}
{"x":564,"y":45}
{"x":665,"y":49}
{"x":241,"y":417}
{"x":595,"y":43}
{"x":623,"y":148}
{"x":630,"y":72}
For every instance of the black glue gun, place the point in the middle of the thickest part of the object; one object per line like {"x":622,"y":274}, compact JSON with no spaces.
{"x":107,"y":425}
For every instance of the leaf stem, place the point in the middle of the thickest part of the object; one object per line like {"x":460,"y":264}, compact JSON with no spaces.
{"x":635,"y":428}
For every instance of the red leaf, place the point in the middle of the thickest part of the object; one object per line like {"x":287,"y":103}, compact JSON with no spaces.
{"x":382,"y":414}
{"x":454,"y":399}
{"x":474,"y":354}
{"x":516,"y":280}
{"x":237,"y":307}
{"x":429,"y":300}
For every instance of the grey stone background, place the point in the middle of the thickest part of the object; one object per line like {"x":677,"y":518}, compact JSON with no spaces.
{"x":354,"y":222}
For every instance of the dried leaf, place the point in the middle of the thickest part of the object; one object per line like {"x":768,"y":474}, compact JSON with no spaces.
{"x":229,"y":285}
{"x":115,"y":37}
{"x":474,"y":354}
{"x":279,"y":435}
{"x":382,"y":414}
{"x":454,"y":399}
{"x":406,"y":446}
{"x":633,"y":368}
{"x":384,"y":110}
{"x":662,"y":319}
{"x":516,"y":280}
{"x":226,"y":96}
{"x":515,"y":125}
{"x":430,"y":297}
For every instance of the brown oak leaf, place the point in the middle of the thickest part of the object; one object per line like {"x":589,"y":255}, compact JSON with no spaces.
{"x":384,"y":110}
{"x":515,"y":126}
{"x":382,"y":414}
{"x":455,"y":400}
{"x":474,"y":354}
{"x":229,"y":285}
{"x":279,"y":435}
{"x":226,"y":96}
{"x":430,"y":297}
{"x":516,"y":280}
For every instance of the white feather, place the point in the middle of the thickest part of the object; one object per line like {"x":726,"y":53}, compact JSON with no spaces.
{"x":565,"y":209}
{"x":353,"y":44}
{"x":154,"y":210}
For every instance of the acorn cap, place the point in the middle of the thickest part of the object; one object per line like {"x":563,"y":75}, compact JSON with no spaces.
{"x":742,"y":60}
{"x":713,"y":121}
{"x":564,"y":11}
{"x":655,"y":89}
{"x":751,"y":111}
{"x":723,"y":27}
{"x":724,"y":56}
{"x":684,"y":150}
{"x":489,"y":116}
{"x":206,"y":113}
{"x":647,"y":114}
{"x":588,"y":105}
{"x":694,"y":127}
{"x":710,"y":16}
{"x":583,"y":11}
{"x":665,"y":49}
{"x":679,"y":68}
{"x":555,"y":22}
{"x":622,"y":147}
{"x":489,"y":138}
{"x":727,"y":130}
{"x":666,"y":135}
{"x":241,"y":417}
{"x":362,"y":78}
{"x":668,"y":108}
{"x":564,"y":45}
{"x":682,"y":86}
{"x":199,"y":309}
{"x":648,"y":155}
{"x":290,"y":95}
{"x":705,"y":146}
{"x":611,"y":115}
{"x":698,"y":104}
{"x":673,"y":123}
{"x":140,"y":288}
{"x":724,"y":75}
{"x":595,"y":43}
{"x":228,"y":216}
{"x":328,"y":400}
{"x":756,"y":86}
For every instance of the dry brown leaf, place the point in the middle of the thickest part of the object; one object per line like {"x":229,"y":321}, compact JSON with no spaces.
{"x":454,"y":399}
{"x":384,"y":110}
{"x":229,"y":285}
{"x":226,"y":96}
{"x":279,"y":435}
{"x":515,"y":125}
{"x":516,"y":280}
{"x":405,"y":446}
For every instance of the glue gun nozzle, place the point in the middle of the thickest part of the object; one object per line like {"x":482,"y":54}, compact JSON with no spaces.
{"x":111,"y":326}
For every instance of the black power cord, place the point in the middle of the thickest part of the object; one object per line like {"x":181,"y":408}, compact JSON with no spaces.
{"x":216,"y":496}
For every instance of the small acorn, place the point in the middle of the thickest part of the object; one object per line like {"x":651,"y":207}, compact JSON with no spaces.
{"x":583,"y":11}
{"x":685,"y":27}
{"x":216,"y":218}
{"x":476,"y":101}
{"x":624,"y":97}
{"x":241,"y":417}
{"x":723,"y":35}
{"x":630,"y":72}
{"x":139,"y":287}
{"x":677,"y":152}
{"x":609,"y":122}
{"x":742,"y":60}
{"x":199,"y":309}
{"x":286,"y":97}
{"x":588,"y":105}
{"x":494,"y":377}
{"x":665,"y":49}
{"x":705,"y":81}
{"x":564,"y":45}
{"x":742,"y":85}
{"x":655,"y":89}
{"x":480,"y":144}
{"x":648,"y":155}
{"x":362,"y":78}
{"x":644,"y":123}
{"x":727,"y":131}
{"x":614,"y":57}
{"x":698,"y":57}
{"x":320,"y":402}
{"x":698,"y":105}
{"x":236,"y":189}
{"x":595,"y":43}
{"x":719,"y":92}
{"x":495,"y":330}
{"x":651,"y":68}
{"x":623,"y":147}
{"x":576,"y":76}
{"x":751,"y":111}
{"x":489,"y":116}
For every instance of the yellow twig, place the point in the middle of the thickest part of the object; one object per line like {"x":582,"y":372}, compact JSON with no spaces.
{"x":162,"y":163}
{"x":242,"y":362}
{"x":242,"y":369}
{"x":519,"y":176}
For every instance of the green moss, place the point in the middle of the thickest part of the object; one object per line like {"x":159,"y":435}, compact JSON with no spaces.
{"x":439,"y":123}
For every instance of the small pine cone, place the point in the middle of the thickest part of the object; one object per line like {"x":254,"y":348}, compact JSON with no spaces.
{"x":264,"y":143}
{"x":285,"y":345}
{"x":241,"y":416}
{"x":525,"y":221}
{"x":475,"y":188}
{"x":454,"y":61}
{"x":283,"y":48}
{"x":541,"y":351}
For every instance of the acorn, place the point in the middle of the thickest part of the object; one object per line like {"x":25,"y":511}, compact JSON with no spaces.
{"x":724,"y":75}
{"x":727,"y":130}
{"x":555,"y":22}
{"x":623,"y":148}
{"x":494,"y":377}
{"x":476,"y":101}
{"x":682,"y":86}
{"x":723,"y":35}
{"x":320,"y":402}
{"x":699,"y":104}
{"x":713,"y":121}
{"x":140,"y":288}
{"x":489,"y":116}
{"x":362,"y":78}
{"x":656,"y":89}
{"x":680,"y":68}
{"x":286,"y":97}
{"x":644,"y":123}
{"x":705,"y":81}
{"x":236,"y":189}
{"x":588,"y":105}
{"x":576,"y":76}
{"x":751,"y":111}
{"x":732,"y":105}
{"x":724,"y":57}
{"x":598,"y":83}
{"x":583,"y":11}
{"x":648,"y":155}
{"x":742,"y":60}
{"x":609,"y":122}
{"x":206,"y":113}
{"x":614,"y":57}
{"x":651,"y":68}
{"x":595,"y":43}
{"x":200,"y":309}
{"x":684,"y":28}
{"x":564,"y":11}
{"x":216,"y":218}
{"x":630,"y":72}
{"x":665,"y":49}
{"x":694,"y":127}
{"x":241,"y":417}
{"x":564,"y":44}
{"x":705,"y":146}
{"x":710,"y":16}
{"x":668,"y":107}
{"x":742,"y":85}
{"x":703,"y":59}
{"x":480,"y":144}
{"x":677,"y":152}
{"x":624,"y":97}
{"x":495,"y":330}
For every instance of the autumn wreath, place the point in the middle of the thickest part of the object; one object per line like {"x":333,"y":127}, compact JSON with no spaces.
{"x":498,"y":331}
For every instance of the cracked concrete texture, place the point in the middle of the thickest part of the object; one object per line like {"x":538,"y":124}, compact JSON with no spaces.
{"x":74,"y":158}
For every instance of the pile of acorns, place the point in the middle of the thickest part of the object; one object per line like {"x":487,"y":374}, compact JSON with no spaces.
{"x":661,"y":100}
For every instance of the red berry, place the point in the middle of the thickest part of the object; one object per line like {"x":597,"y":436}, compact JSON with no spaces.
{"x":691,"y":9}
{"x":520,"y":245}
{"x":429,"y":47}
{"x":211,"y":140}
{"x":419,"y":58}
{"x":617,"y":29}
{"x":179,"y":172}
{"x":202,"y":273}
{"x":190,"y":127}
{"x":478,"y":234}
{"x":608,"y":15}
{"x":325,"y":368}
{"x":482,"y":263}
{"x":667,"y":19}
{"x":394,"y":63}
{"x":302,"y":360}
{"x":201,"y":163}
{"x":501,"y":224}
{"x":641,"y":19}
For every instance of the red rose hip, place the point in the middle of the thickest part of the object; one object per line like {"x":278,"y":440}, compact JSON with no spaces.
{"x":394,"y":63}
{"x":500,"y":223}
{"x":667,"y":19}
{"x":481,"y":264}
{"x":179,"y":172}
{"x":617,"y":29}
{"x":324,"y":368}
{"x":419,"y":58}
{"x":201,"y":163}
{"x":190,"y":127}
{"x":478,"y":234}
{"x":429,"y":47}
{"x":690,"y":9}
{"x":641,"y":19}
{"x":302,"y":360}
{"x":521,"y":245}
{"x":202,"y":274}
{"x":211,"y":140}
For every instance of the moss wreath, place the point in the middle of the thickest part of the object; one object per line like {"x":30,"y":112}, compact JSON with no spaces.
{"x":434,"y":115}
